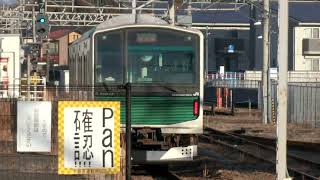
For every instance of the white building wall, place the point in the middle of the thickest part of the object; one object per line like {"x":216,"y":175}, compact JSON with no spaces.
{"x":301,"y":62}
{"x":11,"y":50}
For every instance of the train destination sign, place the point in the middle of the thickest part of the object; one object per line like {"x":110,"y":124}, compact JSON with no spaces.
{"x":89,"y":137}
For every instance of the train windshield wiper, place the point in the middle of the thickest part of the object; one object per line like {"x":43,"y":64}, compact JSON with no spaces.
{"x":106,"y":86}
{"x":167,"y":87}
{"x":113,"y":87}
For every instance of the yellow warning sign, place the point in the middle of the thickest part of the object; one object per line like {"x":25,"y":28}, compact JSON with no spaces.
{"x":88,"y":137}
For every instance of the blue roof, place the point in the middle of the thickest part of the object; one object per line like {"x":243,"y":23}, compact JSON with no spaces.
{"x":219,"y":16}
{"x":304,"y":12}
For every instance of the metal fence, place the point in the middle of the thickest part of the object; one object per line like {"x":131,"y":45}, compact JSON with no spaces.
{"x":31,"y":166}
{"x":304,"y":104}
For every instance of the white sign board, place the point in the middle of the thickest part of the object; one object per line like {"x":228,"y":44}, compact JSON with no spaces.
{"x":221,"y":72}
{"x":34,"y":126}
{"x":273,"y":73}
{"x":89,"y":133}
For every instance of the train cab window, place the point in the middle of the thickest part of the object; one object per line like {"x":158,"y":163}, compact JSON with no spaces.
{"x":109,"y":58}
{"x":162,"y":56}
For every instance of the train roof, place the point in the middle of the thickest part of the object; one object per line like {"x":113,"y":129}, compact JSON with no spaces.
{"x":124,"y":20}
{"x":130,"y":19}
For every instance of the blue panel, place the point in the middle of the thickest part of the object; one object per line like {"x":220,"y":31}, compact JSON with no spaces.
{"x":305,"y":12}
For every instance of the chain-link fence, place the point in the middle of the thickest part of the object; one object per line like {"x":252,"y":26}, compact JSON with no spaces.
{"x":43,"y":166}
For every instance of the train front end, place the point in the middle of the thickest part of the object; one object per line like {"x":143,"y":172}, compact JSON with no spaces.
{"x":165,"y":67}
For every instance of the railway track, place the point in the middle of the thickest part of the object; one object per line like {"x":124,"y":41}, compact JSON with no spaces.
{"x":156,"y":172}
{"x":298,"y":166}
{"x":306,"y":146}
{"x":306,"y":150}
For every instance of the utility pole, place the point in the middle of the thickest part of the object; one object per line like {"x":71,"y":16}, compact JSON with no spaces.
{"x":33,"y":25}
{"x":28,"y":57}
{"x":265,"y":67}
{"x":282,"y":91}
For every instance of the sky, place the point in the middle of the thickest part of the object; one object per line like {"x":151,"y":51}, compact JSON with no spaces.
{"x":7,"y":1}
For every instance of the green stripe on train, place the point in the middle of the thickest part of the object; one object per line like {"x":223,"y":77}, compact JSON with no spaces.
{"x":156,"y":110}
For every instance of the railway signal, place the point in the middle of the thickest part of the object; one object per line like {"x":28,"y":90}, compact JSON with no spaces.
{"x":42,"y":26}
{"x":34,"y":50}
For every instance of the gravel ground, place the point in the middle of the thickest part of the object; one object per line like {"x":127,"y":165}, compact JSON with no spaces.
{"x":253,"y":126}
{"x":224,"y":174}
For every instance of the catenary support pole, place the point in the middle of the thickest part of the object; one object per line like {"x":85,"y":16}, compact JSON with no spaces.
{"x":266,"y":29}
{"x":282,"y":91}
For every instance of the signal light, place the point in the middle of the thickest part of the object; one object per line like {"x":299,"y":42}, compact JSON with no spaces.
{"x":196,"y":107}
{"x":42,"y":26}
{"x":34,"y":51}
{"x":42,"y":20}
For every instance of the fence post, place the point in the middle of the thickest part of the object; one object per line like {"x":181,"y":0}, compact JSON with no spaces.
{"x":231,"y":102}
{"x":219,"y":98}
{"x":316,"y":105}
{"x":249,"y":106}
{"x":303,"y":105}
{"x":128,"y":131}
{"x":226,"y":96}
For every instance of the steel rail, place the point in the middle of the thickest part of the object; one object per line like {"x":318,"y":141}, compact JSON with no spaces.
{"x":290,"y":155}
{"x":264,"y":151}
{"x":272,"y":141}
{"x":154,"y":171}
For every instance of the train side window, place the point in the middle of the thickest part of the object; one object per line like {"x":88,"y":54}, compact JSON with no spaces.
{"x":109,"y":58}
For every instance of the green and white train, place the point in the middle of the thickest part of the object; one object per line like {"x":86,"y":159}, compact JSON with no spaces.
{"x":164,"y":63}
